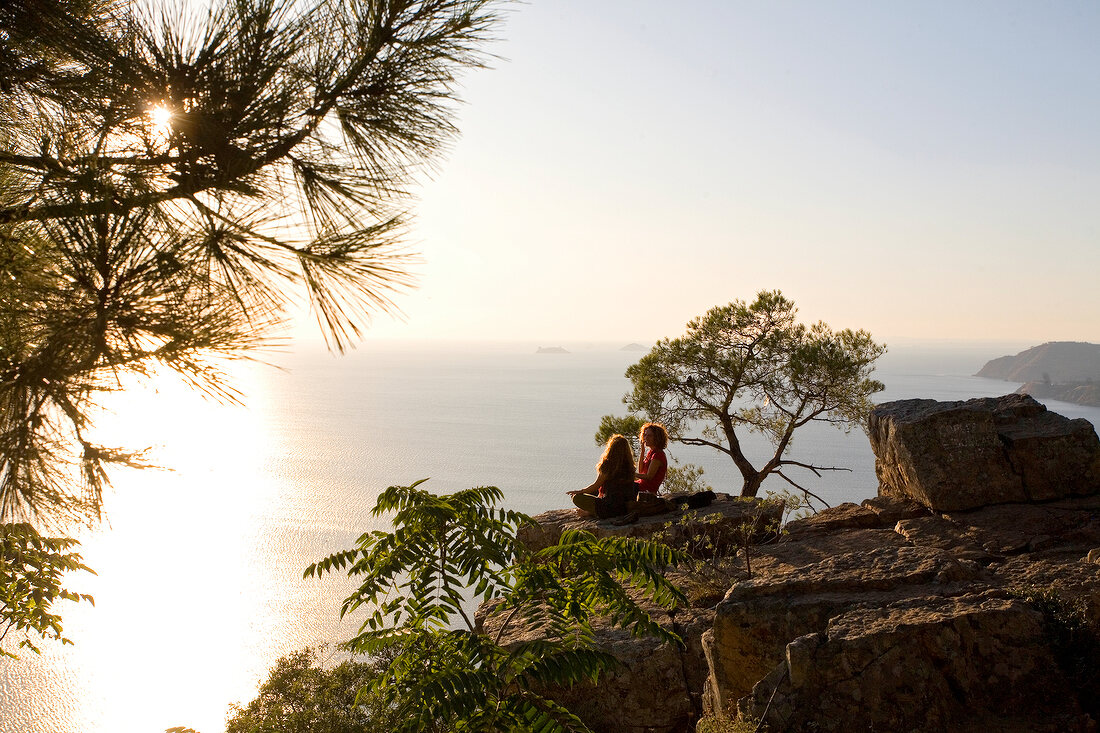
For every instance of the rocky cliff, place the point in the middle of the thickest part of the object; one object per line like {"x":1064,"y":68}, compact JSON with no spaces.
{"x":1054,"y":362}
{"x":966,"y":597}
{"x":1068,"y":371}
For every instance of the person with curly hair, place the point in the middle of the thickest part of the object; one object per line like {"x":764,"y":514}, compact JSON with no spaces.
{"x":652,"y":462}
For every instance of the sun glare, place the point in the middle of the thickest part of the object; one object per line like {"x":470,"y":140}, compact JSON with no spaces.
{"x":161,"y":117}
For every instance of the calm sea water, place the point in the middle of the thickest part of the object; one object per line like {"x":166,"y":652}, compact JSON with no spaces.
{"x":199,"y":586}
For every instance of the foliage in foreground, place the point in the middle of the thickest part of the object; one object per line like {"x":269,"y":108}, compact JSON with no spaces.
{"x":417,"y":580}
{"x":751,"y":367}
{"x":31,"y":570}
{"x":301,"y":695}
{"x":175,"y":178}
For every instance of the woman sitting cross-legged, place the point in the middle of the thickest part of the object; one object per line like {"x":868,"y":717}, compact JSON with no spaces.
{"x":614,"y":485}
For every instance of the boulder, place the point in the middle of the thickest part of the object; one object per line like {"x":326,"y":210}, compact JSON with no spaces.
{"x":1067,"y":526}
{"x":952,"y":456}
{"x":842,"y":516}
{"x":974,"y":662}
{"x":758,"y":618}
{"x":891,"y":510}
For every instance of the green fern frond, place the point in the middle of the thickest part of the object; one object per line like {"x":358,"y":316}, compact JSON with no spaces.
{"x":444,"y":549}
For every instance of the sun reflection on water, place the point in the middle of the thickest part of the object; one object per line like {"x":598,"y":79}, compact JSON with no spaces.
{"x":199,"y":568}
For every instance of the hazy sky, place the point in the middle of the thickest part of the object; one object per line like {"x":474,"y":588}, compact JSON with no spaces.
{"x":920,"y":169}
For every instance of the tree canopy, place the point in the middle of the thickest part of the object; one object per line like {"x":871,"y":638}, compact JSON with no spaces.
{"x":752,"y":367}
{"x":172,"y":180}
{"x":302,"y":695}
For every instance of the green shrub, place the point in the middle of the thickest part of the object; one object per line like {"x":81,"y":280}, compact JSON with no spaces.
{"x":723,"y":723}
{"x":301,"y":695}
{"x":683,"y":479}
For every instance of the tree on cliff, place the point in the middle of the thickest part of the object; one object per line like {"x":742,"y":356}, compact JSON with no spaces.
{"x":172,"y":181}
{"x":751,"y":367}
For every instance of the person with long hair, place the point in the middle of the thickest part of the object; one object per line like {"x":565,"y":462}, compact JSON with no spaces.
{"x":614,"y":485}
{"x":652,"y":462}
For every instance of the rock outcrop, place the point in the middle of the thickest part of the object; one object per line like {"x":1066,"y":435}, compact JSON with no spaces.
{"x":953,"y":456}
{"x":659,"y":687}
{"x":915,"y":627}
{"x":722,"y":521}
{"x":966,"y":597}
{"x":976,"y":662}
{"x":656,"y":690}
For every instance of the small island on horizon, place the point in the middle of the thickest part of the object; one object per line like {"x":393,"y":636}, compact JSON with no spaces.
{"x":633,"y":347}
{"x":1068,"y":371}
{"x":551,"y":350}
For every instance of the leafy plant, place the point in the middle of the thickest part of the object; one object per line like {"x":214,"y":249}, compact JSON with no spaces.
{"x":445,"y":551}
{"x":698,"y":536}
{"x":719,"y":722}
{"x":684,"y":478}
{"x":709,"y":538}
{"x":795,"y":505}
{"x":31,"y":571}
{"x":301,"y":695}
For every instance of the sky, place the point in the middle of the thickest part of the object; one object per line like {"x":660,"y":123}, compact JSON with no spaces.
{"x":924,"y":171}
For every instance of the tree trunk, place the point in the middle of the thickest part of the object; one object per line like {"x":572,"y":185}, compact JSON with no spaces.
{"x":752,"y":485}
{"x":752,"y":477}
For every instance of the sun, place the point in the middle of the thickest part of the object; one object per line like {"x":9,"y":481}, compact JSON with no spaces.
{"x":161,"y":118}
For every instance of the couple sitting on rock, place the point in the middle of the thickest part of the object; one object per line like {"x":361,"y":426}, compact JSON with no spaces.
{"x":619,"y":481}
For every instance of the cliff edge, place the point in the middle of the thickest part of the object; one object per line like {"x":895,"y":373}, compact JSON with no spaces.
{"x":966,"y":597}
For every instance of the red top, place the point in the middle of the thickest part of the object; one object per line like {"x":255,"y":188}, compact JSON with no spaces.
{"x":652,"y":484}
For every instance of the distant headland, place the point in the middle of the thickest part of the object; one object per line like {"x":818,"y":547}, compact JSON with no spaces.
{"x":551,"y":350}
{"x":633,"y":347}
{"x":1068,"y":371}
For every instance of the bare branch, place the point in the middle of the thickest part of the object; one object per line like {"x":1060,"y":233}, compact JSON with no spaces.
{"x":803,"y":489}
{"x":814,"y":468}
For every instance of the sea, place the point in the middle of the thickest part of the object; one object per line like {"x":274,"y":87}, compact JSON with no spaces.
{"x":198,"y":586}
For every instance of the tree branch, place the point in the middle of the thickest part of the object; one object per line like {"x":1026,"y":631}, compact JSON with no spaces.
{"x":703,"y":442}
{"x":816,"y":469}
{"x":803,"y":489}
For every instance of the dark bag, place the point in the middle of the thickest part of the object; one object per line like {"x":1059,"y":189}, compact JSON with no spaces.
{"x":647,"y":504}
{"x":698,"y":500}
